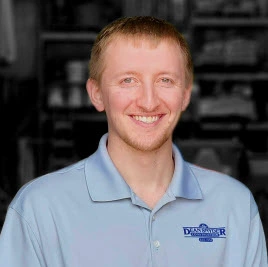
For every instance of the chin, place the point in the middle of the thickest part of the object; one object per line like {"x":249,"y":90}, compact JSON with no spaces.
{"x":147,"y":144}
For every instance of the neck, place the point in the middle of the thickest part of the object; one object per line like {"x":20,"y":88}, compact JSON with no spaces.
{"x":147,"y":173}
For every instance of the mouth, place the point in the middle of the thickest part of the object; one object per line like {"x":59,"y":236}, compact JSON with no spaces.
{"x":146,"y":119}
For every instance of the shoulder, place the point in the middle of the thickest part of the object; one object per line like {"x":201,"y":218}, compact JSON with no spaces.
{"x":48,"y":187}
{"x":224,"y":190}
{"x":211,"y":179}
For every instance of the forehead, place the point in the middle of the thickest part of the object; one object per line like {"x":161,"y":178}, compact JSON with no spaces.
{"x":135,"y":45}
{"x":142,"y":55}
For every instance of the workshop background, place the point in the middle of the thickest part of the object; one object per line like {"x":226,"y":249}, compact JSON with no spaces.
{"x":48,"y":121}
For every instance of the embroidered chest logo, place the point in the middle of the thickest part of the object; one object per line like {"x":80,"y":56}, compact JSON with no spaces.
{"x":204,"y":233}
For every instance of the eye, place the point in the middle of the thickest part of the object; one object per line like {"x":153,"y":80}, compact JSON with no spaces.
{"x":165,"y":80}
{"x":128,"y":80}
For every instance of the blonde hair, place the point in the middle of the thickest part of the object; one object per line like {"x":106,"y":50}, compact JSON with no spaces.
{"x":139,"y":27}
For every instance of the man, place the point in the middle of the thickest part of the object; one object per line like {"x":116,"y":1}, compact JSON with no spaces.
{"x":135,"y":201}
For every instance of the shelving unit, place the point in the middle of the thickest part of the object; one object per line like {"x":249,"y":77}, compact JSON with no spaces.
{"x":64,"y":49}
{"x":231,"y":66}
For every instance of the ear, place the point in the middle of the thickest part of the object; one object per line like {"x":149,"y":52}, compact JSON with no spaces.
{"x":186,"y":97}
{"x":95,"y":94}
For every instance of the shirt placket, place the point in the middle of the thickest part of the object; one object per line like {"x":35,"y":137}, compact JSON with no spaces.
{"x":158,"y":251}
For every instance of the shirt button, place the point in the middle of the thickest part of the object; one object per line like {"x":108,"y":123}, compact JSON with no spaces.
{"x":157,"y":244}
{"x":153,"y":217}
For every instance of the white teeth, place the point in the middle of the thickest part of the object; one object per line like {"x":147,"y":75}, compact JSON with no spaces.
{"x":144,"y":119}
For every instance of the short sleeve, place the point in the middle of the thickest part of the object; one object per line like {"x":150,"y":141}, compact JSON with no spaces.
{"x":18,"y":244}
{"x":256,"y":249}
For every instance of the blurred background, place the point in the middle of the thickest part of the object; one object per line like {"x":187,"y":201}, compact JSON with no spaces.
{"x":49,"y":122}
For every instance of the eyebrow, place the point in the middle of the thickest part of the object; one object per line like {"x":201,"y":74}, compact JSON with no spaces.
{"x":127,"y":73}
{"x":173,"y":74}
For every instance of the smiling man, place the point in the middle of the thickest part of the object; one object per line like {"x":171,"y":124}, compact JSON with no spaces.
{"x":135,"y":201}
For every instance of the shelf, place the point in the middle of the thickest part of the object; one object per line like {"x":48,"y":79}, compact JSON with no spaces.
{"x":211,"y":126}
{"x":254,"y":126}
{"x":234,"y":126}
{"x":62,"y":143}
{"x":245,"y":77}
{"x":68,"y":36}
{"x":73,"y":115}
{"x":230,"y":22}
{"x":195,"y":142}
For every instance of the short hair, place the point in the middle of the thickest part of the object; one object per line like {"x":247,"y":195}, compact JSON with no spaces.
{"x":140,"y":27}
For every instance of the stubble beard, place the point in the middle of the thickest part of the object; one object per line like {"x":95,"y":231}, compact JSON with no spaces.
{"x":146,"y":144}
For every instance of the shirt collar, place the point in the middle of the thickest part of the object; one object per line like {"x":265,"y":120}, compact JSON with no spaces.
{"x":106,"y":184}
{"x":184,"y":183}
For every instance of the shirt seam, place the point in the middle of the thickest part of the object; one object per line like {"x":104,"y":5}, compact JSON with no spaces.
{"x":197,"y":184}
{"x":76,"y":166}
{"x":200,"y":168}
{"x":28,"y":224}
{"x":21,"y":193}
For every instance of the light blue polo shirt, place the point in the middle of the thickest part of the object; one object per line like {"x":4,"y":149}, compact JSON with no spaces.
{"x":86,"y":215}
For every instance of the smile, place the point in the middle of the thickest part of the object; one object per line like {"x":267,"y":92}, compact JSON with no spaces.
{"x":149,"y":119}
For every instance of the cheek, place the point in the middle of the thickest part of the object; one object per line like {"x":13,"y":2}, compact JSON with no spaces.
{"x":174,"y":101}
{"x":118,"y":101}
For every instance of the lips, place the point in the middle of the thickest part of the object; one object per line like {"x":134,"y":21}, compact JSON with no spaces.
{"x":146,"y":119}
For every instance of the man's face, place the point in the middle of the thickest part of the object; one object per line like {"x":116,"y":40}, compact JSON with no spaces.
{"x":142,"y":90}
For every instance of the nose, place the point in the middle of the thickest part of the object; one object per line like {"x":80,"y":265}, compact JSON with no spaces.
{"x":148,"y":98}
